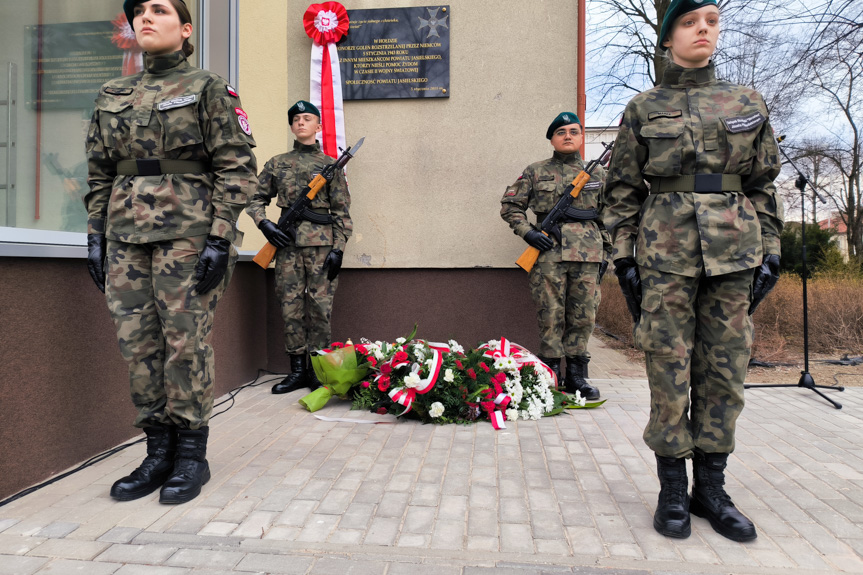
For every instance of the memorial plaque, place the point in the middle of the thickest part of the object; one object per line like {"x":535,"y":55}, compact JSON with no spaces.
{"x":73,"y":61}
{"x":396,"y":53}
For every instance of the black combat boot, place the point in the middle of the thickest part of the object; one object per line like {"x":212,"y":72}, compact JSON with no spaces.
{"x":298,"y":378}
{"x":576,"y":371}
{"x":710,"y":501}
{"x":191,"y":470}
{"x":154,"y":470}
{"x":672,"y":511}
{"x":554,"y":364}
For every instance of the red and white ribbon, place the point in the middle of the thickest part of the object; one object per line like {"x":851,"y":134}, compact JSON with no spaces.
{"x":519,"y":354}
{"x":405,"y":395}
{"x":326,"y":24}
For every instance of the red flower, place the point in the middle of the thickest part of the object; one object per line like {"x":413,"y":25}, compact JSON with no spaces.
{"x":499,"y":378}
{"x":471,"y":373}
{"x":337,"y":345}
{"x":459,"y":364}
{"x":386,"y":368}
{"x":366,"y":384}
{"x":382,"y":411}
{"x":484,"y":366}
{"x":384,"y":383}
{"x":487,"y":405}
{"x":371,"y":359}
{"x":400,"y":356}
{"x":360,"y":348}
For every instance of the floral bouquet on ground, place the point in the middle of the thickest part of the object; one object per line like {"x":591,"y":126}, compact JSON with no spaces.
{"x":338,"y":368}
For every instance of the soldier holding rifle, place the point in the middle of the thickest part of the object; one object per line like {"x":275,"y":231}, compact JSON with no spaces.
{"x":309,"y":259}
{"x":695,"y":221}
{"x":564,"y":283}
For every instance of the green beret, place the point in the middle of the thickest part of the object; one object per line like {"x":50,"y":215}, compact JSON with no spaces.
{"x":677,"y":8}
{"x":563,"y":119}
{"x":302,"y":107}
{"x":129,"y":9}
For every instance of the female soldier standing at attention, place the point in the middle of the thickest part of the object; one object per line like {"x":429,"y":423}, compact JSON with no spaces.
{"x":170,"y":169}
{"x":686,"y":249}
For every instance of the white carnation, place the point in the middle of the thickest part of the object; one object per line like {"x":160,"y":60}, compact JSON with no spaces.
{"x":448,"y":376}
{"x":400,"y":340}
{"x":455,"y":347}
{"x":412,"y":380}
{"x":512,"y":414}
{"x":436,"y":409}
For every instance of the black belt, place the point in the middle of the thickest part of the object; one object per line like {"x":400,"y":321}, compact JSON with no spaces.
{"x":697,"y":184}
{"x":573,"y":215}
{"x":157,"y":167}
{"x":319,"y":216}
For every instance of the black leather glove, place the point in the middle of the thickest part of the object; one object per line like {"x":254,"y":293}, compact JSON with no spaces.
{"x":96,"y":259}
{"x":212,"y":264}
{"x":539,"y":240}
{"x":766,"y":276}
{"x":333,"y":263}
{"x":274,"y":235}
{"x":626,"y":271}
{"x":603,"y":267}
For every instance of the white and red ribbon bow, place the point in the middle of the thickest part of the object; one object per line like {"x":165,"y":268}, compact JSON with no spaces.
{"x":326,"y":24}
{"x":519,"y":354}
{"x":405,"y":395}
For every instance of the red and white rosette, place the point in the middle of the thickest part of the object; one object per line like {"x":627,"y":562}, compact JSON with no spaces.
{"x":326,"y":24}
{"x":518,"y":353}
{"x":124,"y":39}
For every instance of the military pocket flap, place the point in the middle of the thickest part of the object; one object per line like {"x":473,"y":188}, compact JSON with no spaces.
{"x":546,"y":186}
{"x":652,"y":300}
{"x":113,"y":104}
{"x":236,"y":198}
{"x":662,"y":130}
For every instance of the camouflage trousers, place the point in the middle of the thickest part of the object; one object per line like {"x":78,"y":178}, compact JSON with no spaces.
{"x":566,"y":296}
{"x":164,"y":328}
{"x":696,"y":335}
{"x":306,"y":296}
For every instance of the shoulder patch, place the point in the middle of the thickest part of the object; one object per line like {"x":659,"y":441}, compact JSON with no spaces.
{"x":745,"y":123}
{"x":231,"y":91}
{"x":118,"y":91}
{"x":665,"y":114}
{"x":243,"y":120}
{"x":177,"y":102}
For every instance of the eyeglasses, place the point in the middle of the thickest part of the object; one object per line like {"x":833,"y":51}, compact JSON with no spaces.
{"x":572,"y":132}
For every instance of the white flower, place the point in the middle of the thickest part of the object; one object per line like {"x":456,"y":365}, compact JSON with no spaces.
{"x":400,"y":340}
{"x":506,"y":364}
{"x":412,"y":380}
{"x":455,"y":347}
{"x":418,"y":353}
{"x":436,"y":409}
{"x":379,"y":354}
{"x":448,"y":376}
{"x":429,"y":363}
{"x":493,"y":344}
{"x":512,"y":414}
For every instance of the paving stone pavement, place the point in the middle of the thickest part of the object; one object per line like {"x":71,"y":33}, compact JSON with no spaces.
{"x":575,"y":493}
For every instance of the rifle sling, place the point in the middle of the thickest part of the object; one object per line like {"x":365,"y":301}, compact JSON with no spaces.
{"x":573,"y":215}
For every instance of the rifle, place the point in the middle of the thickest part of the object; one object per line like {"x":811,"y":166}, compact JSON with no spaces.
{"x":290,"y":218}
{"x":551,"y":223}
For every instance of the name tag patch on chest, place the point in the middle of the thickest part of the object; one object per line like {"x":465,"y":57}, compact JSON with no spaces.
{"x":745,"y":123}
{"x":118,"y":91}
{"x":592,"y":185}
{"x":665,"y":114}
{"x":177,"y":102}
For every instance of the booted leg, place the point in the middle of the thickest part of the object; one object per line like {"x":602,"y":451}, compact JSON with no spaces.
{"x":154,"y":470}
{"x":576,"y":371}
{"x":672,"y":511}
{"x":554,"y":364}
{"x":298,"y":377}
{"x":191,"y":470}
{"x":710,"y":501}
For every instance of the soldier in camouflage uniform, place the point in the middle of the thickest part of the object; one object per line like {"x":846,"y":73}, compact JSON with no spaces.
{"x":306,"y":270}
{"x":694,"y":215}
{"x":564,"y":283}
{"x":170,"y":170}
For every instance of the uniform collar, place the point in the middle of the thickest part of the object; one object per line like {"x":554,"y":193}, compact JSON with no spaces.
{"x":676,"y":76}
{"x":165,"y":62}
{"x":316,"y":147}
{"x":573,"y":158}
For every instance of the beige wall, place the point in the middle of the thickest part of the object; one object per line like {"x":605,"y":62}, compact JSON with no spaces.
{"x":426,"y":186}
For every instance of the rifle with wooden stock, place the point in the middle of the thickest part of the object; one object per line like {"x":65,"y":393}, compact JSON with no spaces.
{"x":290,"y":218}
{"x":550,"y":225}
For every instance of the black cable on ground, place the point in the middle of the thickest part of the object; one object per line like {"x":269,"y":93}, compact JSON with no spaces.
{"x":106,"y":454}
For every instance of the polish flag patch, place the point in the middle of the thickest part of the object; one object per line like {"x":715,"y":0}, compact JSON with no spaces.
{"x":232,"y":92}
{"x":243,"y":120}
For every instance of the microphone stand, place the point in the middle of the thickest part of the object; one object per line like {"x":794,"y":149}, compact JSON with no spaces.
{"x":806,"y":380}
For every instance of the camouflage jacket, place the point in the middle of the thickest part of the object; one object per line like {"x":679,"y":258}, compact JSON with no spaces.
{"x":539,"y":188}
{"x":693,"y":124}
{"x":284,"y":177}
{"x":169,"y":111}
